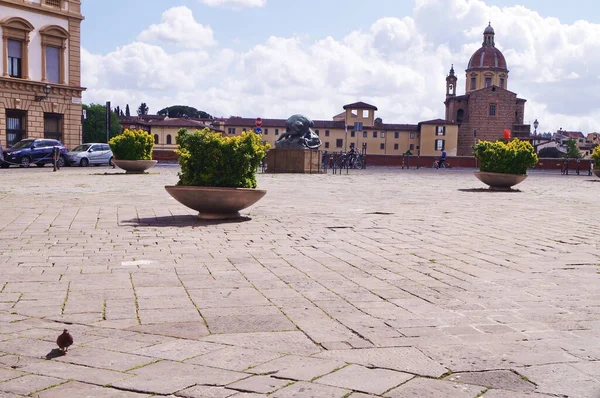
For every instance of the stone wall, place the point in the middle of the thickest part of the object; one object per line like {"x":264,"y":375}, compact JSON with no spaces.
{"x":508,"y":112}
{"x":20,"y":95}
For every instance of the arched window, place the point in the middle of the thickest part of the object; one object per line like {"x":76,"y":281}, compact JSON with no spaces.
{"x":156,"y":139}
{"x":15,"y":44}
{"x":460,"y":116}
{"x":168,"y":139}
{"x":54,"y":45}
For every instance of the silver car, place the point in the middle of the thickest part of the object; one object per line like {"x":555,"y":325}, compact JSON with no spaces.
{"x":87,"y":154}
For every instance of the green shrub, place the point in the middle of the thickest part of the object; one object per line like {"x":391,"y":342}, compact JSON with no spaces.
{"x":596,"y":157}
{"x":513,"y":157}
{"x":132,"y":145}
{"x":209,"y":159}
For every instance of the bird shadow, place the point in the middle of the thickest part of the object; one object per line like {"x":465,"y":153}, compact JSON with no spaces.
{"x":489,"y":190}
{"x":187,"y":220}
{"x":55,"y":353}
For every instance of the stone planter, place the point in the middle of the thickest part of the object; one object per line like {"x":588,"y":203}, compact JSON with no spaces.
{"x":215,"y":203}
{"x":134,"y":166}
{"x":597,"y":172}
{"x":500,"y":181}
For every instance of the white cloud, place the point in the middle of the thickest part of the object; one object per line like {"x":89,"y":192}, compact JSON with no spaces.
{"x":397,"y":64}
{"x":235,"y":4}
{"x":179,"y":27}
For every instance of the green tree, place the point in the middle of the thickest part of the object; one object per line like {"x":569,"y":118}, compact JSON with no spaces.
{"x":572,"y":150}
{"x":94,"y":126}
{"x":183,"y":111}
{"x":143,"y":109}
{"x":127,"y":112}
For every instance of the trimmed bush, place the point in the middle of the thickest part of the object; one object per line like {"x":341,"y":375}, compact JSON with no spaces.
{"x":132,"y":145}
{"x":596,"y":157}
{"x":209,"y":159}
{"x":513,"y":157}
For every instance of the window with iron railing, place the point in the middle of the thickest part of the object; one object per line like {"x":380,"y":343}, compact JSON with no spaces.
{"x":53,"y":3}
{"x":15,"y":127}
{"x":53,"y":126}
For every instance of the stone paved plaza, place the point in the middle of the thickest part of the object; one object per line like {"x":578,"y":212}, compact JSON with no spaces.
{"x":384,"y":282}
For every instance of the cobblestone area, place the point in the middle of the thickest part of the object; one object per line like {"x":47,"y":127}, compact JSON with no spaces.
{"x":385,"y":282}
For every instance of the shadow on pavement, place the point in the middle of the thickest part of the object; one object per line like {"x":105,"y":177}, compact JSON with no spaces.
{"x":55,"y":353}
{"x":187,"y":220}
{"x":489,"y":190}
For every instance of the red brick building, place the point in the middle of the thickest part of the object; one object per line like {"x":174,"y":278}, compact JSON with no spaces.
{"x":487,"y":108}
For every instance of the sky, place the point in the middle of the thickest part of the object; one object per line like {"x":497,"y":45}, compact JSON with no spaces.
{"x":276,"y":58}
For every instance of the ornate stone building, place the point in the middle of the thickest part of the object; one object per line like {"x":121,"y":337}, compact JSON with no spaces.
{"x":487,"y":108}
{"x":40,"y":74}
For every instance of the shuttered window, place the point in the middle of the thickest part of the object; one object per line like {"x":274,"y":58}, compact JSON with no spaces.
{"x":15,"y":56}
{"x":53,"y":126}
{"x":53,"y":64}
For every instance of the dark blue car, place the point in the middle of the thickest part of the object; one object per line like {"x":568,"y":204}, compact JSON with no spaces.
{"x":34,"y":151}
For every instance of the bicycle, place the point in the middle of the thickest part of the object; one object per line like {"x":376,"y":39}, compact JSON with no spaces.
{"x":445,"y":164}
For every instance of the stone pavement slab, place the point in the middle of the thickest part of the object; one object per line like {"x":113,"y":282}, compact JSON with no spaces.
{"x":284,"y":342}
{"x":310,"y":390}
{"x":359,"y":378}
{"x":82,"y":390}
{"x":297,"y":367}
{"x":403,"y":359}
{"x":383,"y":270}
{"x":259,"y":384}
{"x":29,"y":384}
{"x":500,"y":379}
{"x":235,"y":358}
{"x":430,"y":388}
{"x":79,"y":373}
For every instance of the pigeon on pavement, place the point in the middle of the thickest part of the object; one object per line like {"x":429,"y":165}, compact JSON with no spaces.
{"x":64,"y":341}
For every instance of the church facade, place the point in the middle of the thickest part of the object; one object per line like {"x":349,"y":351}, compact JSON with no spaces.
{"x":487,"y":108}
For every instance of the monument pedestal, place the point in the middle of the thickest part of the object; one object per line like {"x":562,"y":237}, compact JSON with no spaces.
{"x":293,"y":161}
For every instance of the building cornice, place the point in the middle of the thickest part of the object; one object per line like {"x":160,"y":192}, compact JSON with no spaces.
{"x":35,"y":88}
{"x":42,"y":9}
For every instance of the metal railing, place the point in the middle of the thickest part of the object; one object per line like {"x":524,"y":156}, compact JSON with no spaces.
{"x":53,"y":3}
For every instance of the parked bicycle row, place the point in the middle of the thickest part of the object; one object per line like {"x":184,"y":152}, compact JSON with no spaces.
{"x":343,"y":160}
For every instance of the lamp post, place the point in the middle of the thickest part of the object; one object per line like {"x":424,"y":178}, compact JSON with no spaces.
{"x":40,"y":98}
{"x":535,"y":126}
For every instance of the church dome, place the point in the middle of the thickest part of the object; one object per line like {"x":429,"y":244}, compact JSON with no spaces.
{"x":488,"y":56}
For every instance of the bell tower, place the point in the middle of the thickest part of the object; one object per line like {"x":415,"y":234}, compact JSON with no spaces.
{"x":451,"y":81}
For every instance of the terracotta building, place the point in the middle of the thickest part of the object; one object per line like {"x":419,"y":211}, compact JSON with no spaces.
{"x":427,"y":138}
{"x":487,"y":108}
{"x":40,"y":74}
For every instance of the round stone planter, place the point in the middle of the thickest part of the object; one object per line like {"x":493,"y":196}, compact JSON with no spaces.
{"x":215,"y":203}
{"x":134,"y":166}
{"x":500,"y":181}
{"x":597,"y":172}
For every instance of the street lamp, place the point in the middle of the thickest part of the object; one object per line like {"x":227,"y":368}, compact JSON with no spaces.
{"x":47,"y":89}
{"x":535,"y":126}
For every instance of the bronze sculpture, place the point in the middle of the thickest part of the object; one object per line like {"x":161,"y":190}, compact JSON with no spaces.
{"x":299,"y":134}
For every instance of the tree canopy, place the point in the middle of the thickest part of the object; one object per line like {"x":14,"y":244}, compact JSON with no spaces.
{"x":183,"y":111}
{"x":572,"y":150}
{"x":143,"y":109}
{"x":94,"y":125}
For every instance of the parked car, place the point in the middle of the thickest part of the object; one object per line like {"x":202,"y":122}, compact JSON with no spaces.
{"x":86,"y":154}
{"x":1,"y":155}
{"x":34,"y":151}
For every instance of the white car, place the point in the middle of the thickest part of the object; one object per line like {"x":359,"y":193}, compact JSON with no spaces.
{"x":86,"y":154}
